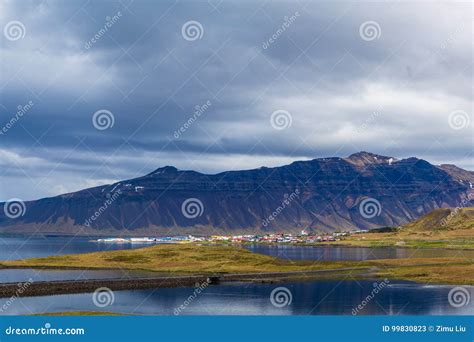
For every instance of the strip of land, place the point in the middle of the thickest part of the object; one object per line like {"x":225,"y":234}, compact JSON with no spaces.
{"x":441,"y":228}
{"x":43,"y":288}
{"x":443,"y":240}
{"x":193,"y":263}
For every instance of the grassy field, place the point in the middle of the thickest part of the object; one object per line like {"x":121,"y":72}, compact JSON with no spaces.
{"x":450,"y":240}
{"x":456,"y":273}
{"x":441,"y":228}
{"x":182,"y":259}
{"x":206,"y":259}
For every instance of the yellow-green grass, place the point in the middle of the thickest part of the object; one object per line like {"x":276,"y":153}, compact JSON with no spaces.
{"x":455,"y":271}
{"x":447,"y":219}
{"x":446,"y":240}
{"x":208,"y":259}
{"x":185,"y":259}
{"x":441,"y":228}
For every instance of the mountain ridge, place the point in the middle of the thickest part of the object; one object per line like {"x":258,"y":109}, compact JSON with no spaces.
{"x":323,"y":194}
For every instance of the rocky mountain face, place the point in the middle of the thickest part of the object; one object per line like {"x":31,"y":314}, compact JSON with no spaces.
{"x":361,"y":191}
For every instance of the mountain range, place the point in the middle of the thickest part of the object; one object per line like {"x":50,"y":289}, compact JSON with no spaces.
{"x":362,"y":191}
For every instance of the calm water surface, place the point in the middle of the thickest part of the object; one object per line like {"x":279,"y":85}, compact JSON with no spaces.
{"x":333,"y":253}
{"x":14,"y":248}
{"x":24,"y":275}
{"x":308,"y":298}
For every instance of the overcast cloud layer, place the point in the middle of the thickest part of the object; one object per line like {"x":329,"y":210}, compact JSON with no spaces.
{"x":391,"y":89}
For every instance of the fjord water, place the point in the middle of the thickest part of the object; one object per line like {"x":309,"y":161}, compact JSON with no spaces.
{"x":307,"y":298}
{"x":27,"y":274}
{"x":14,"y":248}
{"x":333,"y":253}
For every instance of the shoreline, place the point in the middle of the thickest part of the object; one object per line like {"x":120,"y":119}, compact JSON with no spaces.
{"x":339,"y":244}
{"x":223,"y":260}
{"x":59,"y":287}
{"x":62,"y":287}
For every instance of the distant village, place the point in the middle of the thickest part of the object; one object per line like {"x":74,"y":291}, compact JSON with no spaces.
{"x":282,"y":238}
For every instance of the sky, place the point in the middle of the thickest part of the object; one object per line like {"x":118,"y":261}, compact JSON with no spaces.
{"x":92,"y":92}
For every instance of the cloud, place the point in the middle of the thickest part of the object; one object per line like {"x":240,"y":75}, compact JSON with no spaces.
{"x":392,"y":95}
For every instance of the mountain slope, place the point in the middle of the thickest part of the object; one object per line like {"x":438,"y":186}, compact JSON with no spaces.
{"x":361,"y":191}
{"x":443,"y":220}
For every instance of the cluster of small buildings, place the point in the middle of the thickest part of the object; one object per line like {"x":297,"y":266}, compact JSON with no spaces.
{"x":141,"y":240}
{"x":302,"y":238}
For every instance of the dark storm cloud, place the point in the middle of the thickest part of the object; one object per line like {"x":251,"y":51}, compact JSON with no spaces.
{"x":391,"y":95}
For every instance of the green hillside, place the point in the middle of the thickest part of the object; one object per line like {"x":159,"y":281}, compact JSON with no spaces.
{"x":443,"y":219}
